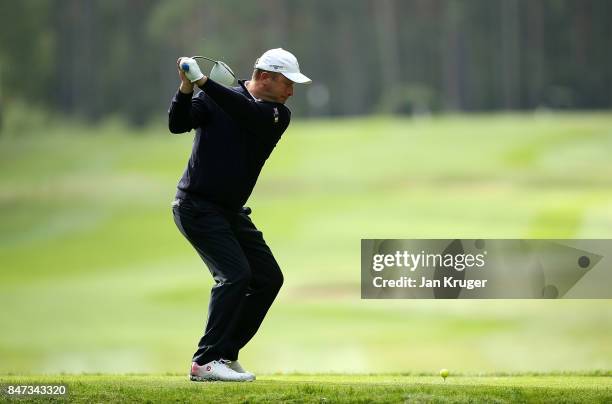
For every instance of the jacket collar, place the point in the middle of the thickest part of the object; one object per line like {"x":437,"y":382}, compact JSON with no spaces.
{"x":242,"y":87}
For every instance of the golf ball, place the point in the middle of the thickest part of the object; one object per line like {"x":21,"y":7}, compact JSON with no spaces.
{"x":444,"y":373}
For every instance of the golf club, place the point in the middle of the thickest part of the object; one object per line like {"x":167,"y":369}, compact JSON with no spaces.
{"x":220,"y":72}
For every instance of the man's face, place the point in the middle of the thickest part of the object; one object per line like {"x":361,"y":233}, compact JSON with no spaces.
{"x":278,"y":88}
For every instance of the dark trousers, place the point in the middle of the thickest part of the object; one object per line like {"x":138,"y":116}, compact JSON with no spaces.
{"x":247,"y":277}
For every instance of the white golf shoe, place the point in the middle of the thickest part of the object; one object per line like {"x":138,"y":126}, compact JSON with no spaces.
{"x":235,"y":366}
{"x":216,"y":370}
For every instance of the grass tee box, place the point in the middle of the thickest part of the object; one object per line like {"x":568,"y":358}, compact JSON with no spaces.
{"x":328,"y":388}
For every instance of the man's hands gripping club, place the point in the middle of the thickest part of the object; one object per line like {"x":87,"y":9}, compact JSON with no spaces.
{"x":190,"y":74}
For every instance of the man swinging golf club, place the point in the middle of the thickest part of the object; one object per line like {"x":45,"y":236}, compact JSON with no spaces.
{"x":236,"y":130}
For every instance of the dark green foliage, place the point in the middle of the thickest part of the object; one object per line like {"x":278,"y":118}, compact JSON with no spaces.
{"x":92,"y":58}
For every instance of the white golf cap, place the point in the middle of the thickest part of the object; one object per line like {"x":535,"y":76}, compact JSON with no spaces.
{"x":283,"y":62}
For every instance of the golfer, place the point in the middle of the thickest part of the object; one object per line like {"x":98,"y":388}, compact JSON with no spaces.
{"x":236,"y":129}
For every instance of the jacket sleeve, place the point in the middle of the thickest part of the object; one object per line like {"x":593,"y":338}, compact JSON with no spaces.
{"x":186,"y":113}
{"x":259,"y":116}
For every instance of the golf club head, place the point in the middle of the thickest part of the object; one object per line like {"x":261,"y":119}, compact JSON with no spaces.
{"x":222,"y":74}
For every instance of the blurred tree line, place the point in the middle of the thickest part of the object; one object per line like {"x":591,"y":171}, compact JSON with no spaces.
{"x":95,"y":58}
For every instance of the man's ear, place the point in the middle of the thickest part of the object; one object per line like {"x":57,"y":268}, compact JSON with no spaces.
{"x":269,"y":75}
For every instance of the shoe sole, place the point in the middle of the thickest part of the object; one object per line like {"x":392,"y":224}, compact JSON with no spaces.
{"x":251,"y":375}
{"x":195,"y":378}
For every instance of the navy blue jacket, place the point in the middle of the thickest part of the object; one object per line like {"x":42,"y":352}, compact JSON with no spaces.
{"x":235,"y":134}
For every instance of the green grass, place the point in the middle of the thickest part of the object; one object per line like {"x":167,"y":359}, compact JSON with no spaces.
{"x":94,"y":276}
{"x":298,"y":388}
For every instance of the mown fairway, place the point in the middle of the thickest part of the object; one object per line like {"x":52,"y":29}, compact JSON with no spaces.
{"x":331,"y":388}
{"x":94,"y":276}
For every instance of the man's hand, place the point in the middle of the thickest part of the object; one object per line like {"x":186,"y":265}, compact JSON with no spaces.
{"x":191,"y":69}
{"x":186,"y":87}
{"x":190,"y":74}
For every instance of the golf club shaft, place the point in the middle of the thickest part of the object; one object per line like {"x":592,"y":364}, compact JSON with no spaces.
{"x":204,"y":57}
